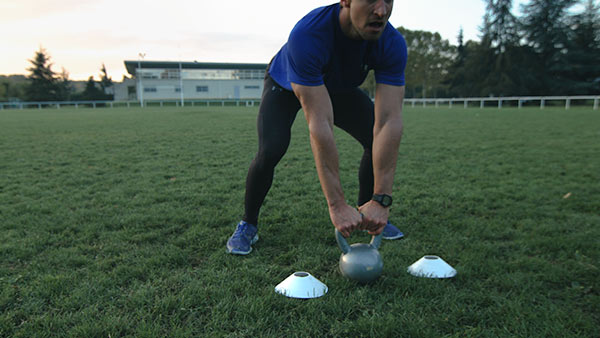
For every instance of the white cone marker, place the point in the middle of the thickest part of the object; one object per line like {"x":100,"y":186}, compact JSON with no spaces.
{"x":431,"y":267}
{"x":301,"y":285}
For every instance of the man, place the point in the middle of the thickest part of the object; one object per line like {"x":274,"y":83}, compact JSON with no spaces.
{"x":328,"y":55}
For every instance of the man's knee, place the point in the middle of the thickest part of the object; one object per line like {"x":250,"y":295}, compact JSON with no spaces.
{"x":269,"y":156}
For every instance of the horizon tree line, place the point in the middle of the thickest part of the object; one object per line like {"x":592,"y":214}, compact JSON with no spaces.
{"x":551,"y":49}
{"x":44,"y":84}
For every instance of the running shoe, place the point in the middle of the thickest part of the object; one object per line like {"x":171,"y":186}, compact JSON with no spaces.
{"x":243,"y":237}
{"x":391,"y":232}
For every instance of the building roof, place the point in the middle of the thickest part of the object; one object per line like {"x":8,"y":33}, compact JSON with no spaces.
{"x":131,"y":65}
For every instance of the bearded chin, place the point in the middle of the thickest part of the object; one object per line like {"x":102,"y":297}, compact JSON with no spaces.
{"x":370,"y":37}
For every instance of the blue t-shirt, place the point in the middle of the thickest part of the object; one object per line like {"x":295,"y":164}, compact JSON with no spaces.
{"x":318,"y":52}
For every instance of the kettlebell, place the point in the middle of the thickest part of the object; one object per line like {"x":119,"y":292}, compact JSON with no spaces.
{"x":360,"y":262}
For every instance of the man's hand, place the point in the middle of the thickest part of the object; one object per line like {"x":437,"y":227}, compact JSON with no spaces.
{"x":375,"y":217}
{"x":345,"y":219}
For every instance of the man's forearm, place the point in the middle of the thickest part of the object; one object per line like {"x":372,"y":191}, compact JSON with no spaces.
{"x":327,"y":162}
{"x":387,"y":134}
{"x":344,"y":217}
{"x":319,"y":116}
{"x":386,"y":142}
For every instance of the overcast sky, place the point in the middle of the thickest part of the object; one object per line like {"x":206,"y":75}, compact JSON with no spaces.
{"x":80,"y":35}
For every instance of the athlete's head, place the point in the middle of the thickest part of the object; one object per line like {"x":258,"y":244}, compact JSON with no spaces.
{"x":365,"y":19}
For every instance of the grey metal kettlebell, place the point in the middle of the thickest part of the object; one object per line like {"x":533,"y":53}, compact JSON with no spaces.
{"x":360,"y":262}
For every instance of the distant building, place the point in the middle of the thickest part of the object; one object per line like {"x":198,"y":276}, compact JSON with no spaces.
{"x":170,"y":80}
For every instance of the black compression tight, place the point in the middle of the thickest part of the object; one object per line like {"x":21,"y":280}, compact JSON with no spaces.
{"x":353,"y":113}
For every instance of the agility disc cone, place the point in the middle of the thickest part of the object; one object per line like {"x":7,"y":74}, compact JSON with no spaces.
{"x":301,"y":285}
{"x":431,"y":267}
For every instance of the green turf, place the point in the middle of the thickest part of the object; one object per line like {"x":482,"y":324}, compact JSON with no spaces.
{"x":113,"y":223}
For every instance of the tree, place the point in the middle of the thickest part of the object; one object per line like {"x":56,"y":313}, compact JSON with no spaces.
{"x":429,"y":60}
{"x":546,"y":28}
{"x":43,"y":83}
{"x":500,"y":25}
{"x":500,"y":50}
{"x":521,"y":56}
{"x":106,"y":83}
{"x":455,"y":77}
{"x":12,"y":87}
{"x":464,"y":77}
{"x":65,"y":85}
{"x":460,"y":49}
{"x":583,"y":75}
{"x":91,"y":91}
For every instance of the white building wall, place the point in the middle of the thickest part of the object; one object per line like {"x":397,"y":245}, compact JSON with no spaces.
{"x":160,"y":89}
{"x":122,"y":92}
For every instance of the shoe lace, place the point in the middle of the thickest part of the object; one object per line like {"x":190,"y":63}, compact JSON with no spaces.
{"x":240,"y":231}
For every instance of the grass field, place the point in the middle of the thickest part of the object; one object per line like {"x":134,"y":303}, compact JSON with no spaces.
{"x":113,"y":223}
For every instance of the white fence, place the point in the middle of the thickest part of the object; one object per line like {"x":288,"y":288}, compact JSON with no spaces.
{"x":481,"y":102}
{"x":128,"y":104}
{"x":518,"y":101}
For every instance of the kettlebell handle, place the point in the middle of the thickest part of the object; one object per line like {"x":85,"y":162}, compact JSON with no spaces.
{"x":345,"y":247}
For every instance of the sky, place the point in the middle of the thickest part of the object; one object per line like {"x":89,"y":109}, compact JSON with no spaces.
{"x":81,"y":35}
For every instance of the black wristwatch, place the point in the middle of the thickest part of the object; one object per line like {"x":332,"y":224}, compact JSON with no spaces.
{"x":383,"y":199}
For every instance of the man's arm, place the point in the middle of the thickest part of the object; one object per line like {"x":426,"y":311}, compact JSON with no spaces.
{"x":387,"y":134}
{"x":319,"y":115}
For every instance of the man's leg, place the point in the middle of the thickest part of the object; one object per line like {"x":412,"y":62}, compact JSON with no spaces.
{"x":354,"y":112}
{"x":276,"y":115}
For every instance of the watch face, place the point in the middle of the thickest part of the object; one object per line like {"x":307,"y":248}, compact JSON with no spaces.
{"x":386,"y":200}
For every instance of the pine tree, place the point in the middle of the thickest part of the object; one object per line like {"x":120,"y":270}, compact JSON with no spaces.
{"x":43,"y":82}
{"x":65,"y":86}
{"x":583,"y":55}
{"x":500,"y":42}
{"x":546,"y":30}
{"x":501,"y":27}
{"x":91,"y":91}
{"x":106,"y":83}
{"x":456,"y":77}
